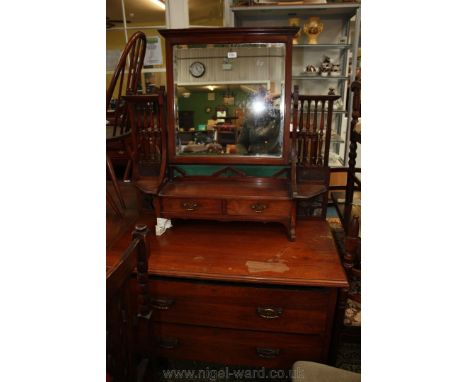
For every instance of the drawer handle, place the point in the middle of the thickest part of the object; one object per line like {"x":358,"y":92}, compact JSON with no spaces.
{"x":190,"y":206}
{"x":162,"y":303}
{"x":269,"y":312}
{"x":168,"y":342}
{"x":258,"y":207}
{"x":268,"y":352}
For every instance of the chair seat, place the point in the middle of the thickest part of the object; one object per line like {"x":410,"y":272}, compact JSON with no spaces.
{"x":148,"y":185}
{"x":317,"y":372}
{"x":306,"y":190}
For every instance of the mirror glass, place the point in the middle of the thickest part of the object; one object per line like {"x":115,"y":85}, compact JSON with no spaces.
{"x":229,"y":99}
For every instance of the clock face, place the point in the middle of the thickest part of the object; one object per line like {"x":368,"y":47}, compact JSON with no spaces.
{"x":197,"y":69}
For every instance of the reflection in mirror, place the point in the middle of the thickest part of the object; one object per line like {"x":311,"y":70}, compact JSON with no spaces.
{"x":229,"y":99}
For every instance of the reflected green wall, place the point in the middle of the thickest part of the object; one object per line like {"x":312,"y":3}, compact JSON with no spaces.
{"x":198,"y":102}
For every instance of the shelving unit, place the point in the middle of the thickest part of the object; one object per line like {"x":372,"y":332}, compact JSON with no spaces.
{"x":339,"y":40}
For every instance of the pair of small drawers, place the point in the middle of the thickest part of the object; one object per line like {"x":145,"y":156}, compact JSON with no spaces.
{"x":231,"y":207}
{"x":237,"y":324}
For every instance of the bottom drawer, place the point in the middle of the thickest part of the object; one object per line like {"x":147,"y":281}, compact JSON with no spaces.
{"x":235,"y":347}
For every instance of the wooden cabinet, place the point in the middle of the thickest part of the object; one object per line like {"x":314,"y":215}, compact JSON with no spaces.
{"x":242,"y":294}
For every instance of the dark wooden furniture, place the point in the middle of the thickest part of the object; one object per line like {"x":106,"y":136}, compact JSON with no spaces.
{"x":124,"y":81}
{"x":111,"y":202}
{"x":241,"y":293}
{"x":228,"y":193}
{"x":119,"y":138}
{"x":344,"y":200}
{"x":121,"y":340}
{"x":311,"y":134}
{"x":147,"y":116}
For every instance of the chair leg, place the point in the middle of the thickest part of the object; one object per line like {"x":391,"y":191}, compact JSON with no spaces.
{"x":114,"y":206}
{"x":114,"y":181}
{"x":129,"y":162}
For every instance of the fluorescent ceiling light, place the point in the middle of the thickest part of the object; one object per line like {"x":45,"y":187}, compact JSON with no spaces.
{"x":160,"y":3}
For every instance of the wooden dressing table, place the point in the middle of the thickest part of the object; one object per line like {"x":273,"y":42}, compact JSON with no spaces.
{"x":241,"y":293}
{"x":259,"y":80}
{"x":227,"y":285}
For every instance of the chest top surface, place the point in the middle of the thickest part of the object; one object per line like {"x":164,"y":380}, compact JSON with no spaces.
{"x":244,"y":252}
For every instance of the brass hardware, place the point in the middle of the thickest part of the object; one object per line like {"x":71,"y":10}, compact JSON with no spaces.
{"x":268,"y":352}
{"x":162,"y":303}
{"x":167,"y":342}
{"x":190,"y":206}
{"x":258,"y":207}
{"x":269,"y":312}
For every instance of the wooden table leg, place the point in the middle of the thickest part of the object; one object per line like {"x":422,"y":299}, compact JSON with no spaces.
{"x":114,"y":181}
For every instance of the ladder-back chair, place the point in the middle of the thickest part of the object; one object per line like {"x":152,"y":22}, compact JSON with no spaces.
{"x":312,"y":117}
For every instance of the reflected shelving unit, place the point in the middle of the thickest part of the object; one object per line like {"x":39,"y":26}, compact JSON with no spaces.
{"x":339,"y":40}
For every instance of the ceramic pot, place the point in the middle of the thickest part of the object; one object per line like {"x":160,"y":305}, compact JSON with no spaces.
{"x":312,"y":28}
{"x":295,"y":22}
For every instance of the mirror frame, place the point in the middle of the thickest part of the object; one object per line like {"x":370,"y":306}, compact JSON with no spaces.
{"x":227,"y":36}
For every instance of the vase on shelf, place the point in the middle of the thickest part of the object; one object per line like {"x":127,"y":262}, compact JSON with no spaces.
{"x":295,"y":22}
{"x":312,"y":28}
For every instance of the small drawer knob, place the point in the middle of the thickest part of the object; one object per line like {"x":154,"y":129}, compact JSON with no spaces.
{"x":167,"y":342}
{"x":162,"y":303}
{"x":258,"y":207}
{"x":268,"y":352}
{"x":190,"y":206}
{"x":269,"y":312}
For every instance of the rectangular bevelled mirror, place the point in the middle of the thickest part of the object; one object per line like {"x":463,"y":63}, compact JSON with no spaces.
{"x":228,"y":99}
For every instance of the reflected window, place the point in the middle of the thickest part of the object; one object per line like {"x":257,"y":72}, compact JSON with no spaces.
{"x":122,"y":23}
{"x":206,"y":13}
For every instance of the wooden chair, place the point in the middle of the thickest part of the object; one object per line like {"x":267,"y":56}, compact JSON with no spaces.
{"x":348,"y":317}
{"x":149,"y":138}
{"x":312,"y":117}
{"x":353,"y":183}
{"x":121,"y":331}
{"x":124,"y":81}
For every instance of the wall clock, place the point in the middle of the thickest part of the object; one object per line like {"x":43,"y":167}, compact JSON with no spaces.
{"x":197,"y":69}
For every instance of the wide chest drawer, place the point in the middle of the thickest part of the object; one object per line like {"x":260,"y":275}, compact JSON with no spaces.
{"x":259,"y":207}
{"x":191,"y":206}
{"x":275,"y":309}
{"x":238,"y":347}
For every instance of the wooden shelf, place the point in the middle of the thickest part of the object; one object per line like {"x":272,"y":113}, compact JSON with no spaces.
{"x":344,"y":9}
{"x":322,"y":46}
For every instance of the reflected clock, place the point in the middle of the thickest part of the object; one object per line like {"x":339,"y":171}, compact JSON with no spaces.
{"x":197,"y":69}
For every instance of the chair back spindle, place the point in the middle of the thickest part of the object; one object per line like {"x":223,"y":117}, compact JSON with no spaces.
{"x":147,"y":120}
{"x":125,"y":81}
{"x":312,"y":117}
